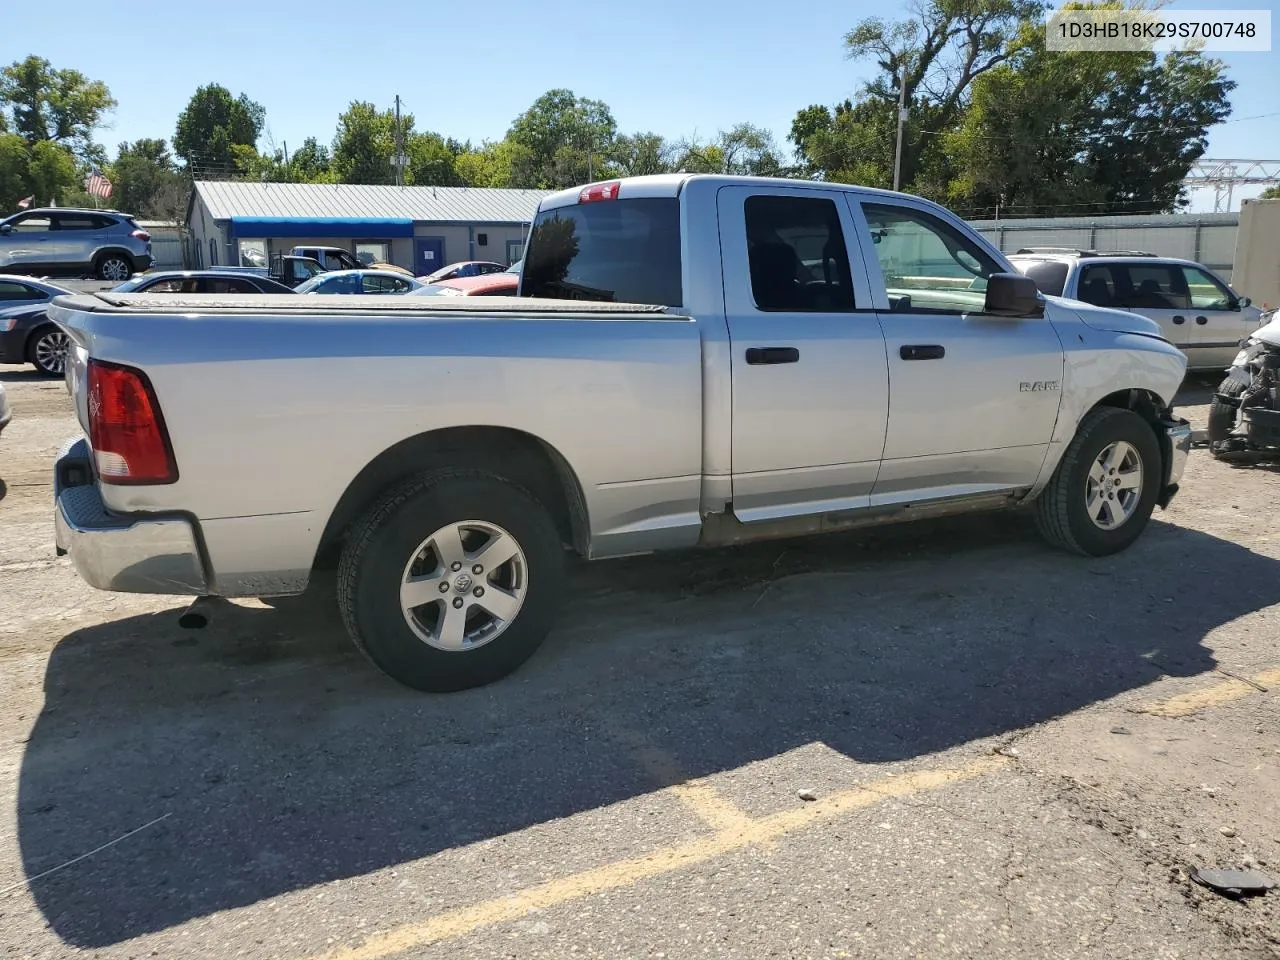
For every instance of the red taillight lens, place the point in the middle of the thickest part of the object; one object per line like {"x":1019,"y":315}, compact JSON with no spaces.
{"x":140,"y":235}
{"x":600,"y":191}
{"x":127,"y":433}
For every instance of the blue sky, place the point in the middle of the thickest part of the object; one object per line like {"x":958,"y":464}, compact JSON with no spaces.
{"x":466,"y":69}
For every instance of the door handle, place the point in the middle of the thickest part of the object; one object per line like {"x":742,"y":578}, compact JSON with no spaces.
{"x":1202,"y":320}
{"x":758,"y":356}
{"x":1179,"y":319}
{"x":922,"y":351}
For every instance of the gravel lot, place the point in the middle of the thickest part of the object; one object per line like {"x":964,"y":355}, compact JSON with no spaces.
{"x":1014,"y":753}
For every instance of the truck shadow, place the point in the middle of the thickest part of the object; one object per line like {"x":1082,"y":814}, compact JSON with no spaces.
{"x":283,"y":760}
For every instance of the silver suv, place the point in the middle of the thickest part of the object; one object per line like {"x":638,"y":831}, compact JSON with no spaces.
{"x":64,"y":241}
{"x":1197,"y":310}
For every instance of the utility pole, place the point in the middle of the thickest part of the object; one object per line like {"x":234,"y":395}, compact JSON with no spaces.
{"x":399,"y":157}
{"x":902,"y":119}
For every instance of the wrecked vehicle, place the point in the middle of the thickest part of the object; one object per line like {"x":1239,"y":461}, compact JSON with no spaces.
{"x":1244,"y":417}
{"x":691,"y":361}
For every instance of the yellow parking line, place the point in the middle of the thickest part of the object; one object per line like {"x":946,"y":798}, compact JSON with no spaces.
{"x":457,"y":923}
{"x":702,"y":799}
{"x":1185,"y":704}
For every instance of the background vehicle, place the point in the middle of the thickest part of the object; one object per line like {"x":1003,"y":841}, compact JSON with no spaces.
{"x":1244,"y":417}
{"x":201,"y":281}
{"x":335,"y":258}
{"x":287,"y":270}
{"x":360,"y":281}
{"x":464,"y":268}
{"x":27,"y":335}
{"x":503,"y":284}
{"x":69,"y":242}
{"x":672,"y":375}
{"x":1197,"y":310}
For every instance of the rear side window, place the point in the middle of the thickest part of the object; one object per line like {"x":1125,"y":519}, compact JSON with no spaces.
{"x":625,"y":251}
{"x":797,"y":255}
{"x":16,"y":291}
{"x":1137,"y":286}
{"x":1050,"y":276}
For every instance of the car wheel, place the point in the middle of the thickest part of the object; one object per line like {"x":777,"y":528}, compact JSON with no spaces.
{"x":114,"y":267}
{"x":47,"y":351}
{"x":1222,"y":416}
{"x":452,"y":580}
{"x":1104,"y":489}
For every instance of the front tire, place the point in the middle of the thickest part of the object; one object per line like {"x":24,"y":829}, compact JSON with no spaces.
{"x":451,"y":580}
{"x":1104,"y":489}
{"x":1222,"y":416}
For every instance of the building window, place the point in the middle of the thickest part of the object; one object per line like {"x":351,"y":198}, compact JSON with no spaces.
{"x":373,"y":251}
{"x":515,"y":250}
{"x":213,"y":252}
{"x":482,"y":239}
{"x":253,"y":253}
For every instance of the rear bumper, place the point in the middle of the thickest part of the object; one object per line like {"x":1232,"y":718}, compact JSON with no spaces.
{"x":142,"y":553}
{"x":1177,"y":432}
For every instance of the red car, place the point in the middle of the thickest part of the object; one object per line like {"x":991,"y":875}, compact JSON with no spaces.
{"x":489,"y":285}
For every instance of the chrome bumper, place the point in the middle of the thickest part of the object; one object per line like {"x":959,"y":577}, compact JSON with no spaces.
{"x":131,"y":554}
{"x":1179,"y":435}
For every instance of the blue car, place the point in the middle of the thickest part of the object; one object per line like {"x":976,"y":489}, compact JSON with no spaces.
{"x":359,"y":281}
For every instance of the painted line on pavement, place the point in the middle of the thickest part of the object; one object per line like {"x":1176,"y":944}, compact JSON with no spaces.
{"x":623,"y":873}
{"x":1185,"y":704}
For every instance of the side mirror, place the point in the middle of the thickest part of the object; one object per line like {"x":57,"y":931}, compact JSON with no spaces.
{"x":1012,"y":295}
{"x":1243,"y":302}
{"x":6,"y":229}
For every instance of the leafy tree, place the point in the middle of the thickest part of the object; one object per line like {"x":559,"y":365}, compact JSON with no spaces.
{"x":488,"y":166}
{"x":52,"y":174}
{"x":743,"y":150}
{"x":432,"y":160}
{"x":146,"y":181}
{"x":640,"y":154}
{"x":364,"y":144}
{"x":213,"y":123}
{"x":1097,"y":132}
{"x":310,"y":162}
{"x":561,"y":140}
{"x":62,"y":106}
{"x":15,"y":158}
{"x":1271,"y":193}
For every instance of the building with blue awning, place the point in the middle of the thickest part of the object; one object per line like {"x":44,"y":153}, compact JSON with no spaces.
{"x":420,"y":228}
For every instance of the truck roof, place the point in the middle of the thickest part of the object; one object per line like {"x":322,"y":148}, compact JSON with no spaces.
{"x":671,"y":185}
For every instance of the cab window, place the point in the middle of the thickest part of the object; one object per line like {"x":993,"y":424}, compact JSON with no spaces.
{"x":798,"y":259}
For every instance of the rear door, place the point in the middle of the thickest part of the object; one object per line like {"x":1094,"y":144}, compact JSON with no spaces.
{"x":76,"y":237}
{"x":810,"y":390}
{"x":973,"y":398}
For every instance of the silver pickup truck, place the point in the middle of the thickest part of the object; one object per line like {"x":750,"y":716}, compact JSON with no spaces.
{"x":693,"y":361}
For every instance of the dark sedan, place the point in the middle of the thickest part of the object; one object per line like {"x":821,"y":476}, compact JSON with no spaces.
{"x":26,"y":334}
{"x":200,"y":281}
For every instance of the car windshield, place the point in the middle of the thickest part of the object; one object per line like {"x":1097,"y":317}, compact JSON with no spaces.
{"x":435,"y":290}
{"x":133,"y":284}
{"x":309,"y":286}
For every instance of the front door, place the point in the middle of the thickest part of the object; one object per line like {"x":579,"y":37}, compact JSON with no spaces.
{"x":810,"y":394}
{"x":428,"y":255}
{"x":1218,"y":323}
{"x":973,"y":399}
{"x":30,"y":241}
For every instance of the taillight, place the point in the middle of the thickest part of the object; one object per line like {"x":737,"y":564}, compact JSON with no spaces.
{"x":126,"y":431}
{"x":140,"y":235}
{"x":599,"y":191}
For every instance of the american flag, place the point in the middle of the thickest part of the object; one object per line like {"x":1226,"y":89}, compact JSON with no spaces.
{"x":26,"y":202}
{"x":97,"y":184}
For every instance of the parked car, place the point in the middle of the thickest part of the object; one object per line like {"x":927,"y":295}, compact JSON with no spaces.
{"x":201,"y":281}
{"x":672,"y":376}
{"x":490,"y":285}
{"x":360,"y":281}
{"x":1196,"y":309}
{"x":6,"y":411}
{"x":67,"y":241}
{"x":27,"y":335}
{"x":335,"y":258}
{"x":289,"y":270}
{"x":465,"y":268}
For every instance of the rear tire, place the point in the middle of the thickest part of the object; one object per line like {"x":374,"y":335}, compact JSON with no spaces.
{"x":1222,"y":416}
{"x":113,"y":267}
{"x":1084,"y":509}
{"x":439,"y":622}
{"x":47,"y":350}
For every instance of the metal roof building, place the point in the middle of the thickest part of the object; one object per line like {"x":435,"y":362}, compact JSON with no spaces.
{"x":421,"y":228}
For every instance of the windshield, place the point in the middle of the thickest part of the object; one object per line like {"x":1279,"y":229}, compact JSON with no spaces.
{"x":132,"y":284}
{"x":311,"y":285}
{"x":626,"y":251}
{"x":435,"y":290}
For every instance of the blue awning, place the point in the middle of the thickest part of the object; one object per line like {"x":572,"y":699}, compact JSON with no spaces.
{"x":350,"y":228}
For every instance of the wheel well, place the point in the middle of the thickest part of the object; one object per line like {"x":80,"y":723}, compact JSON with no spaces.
{"x":114,"y":251}
{"x":511,"y":454}
{"x":1151,"y":408}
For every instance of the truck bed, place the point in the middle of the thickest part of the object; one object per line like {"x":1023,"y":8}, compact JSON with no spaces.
{"x":347,"y":304}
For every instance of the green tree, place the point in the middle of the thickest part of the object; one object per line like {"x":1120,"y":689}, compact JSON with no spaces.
{"x":146,"y":181}
{"x":640,"y":154}
{"x":364,"y":144}
{"x":62,"y":106}
{"x":486,"y":166}
{"x":562,"y":140}
{"x":1066,"y":132}
{"x":310,"y":162}
{"x":432,"y":160}
{"x":1271,"y":193}
{"x":15,"y":159}
{"x":52,"y":173}
{"x":211,"y":125}
{"x":742,"y":150}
